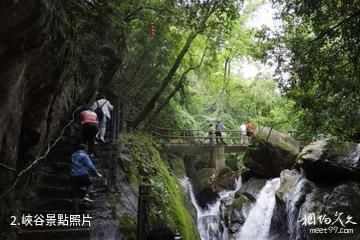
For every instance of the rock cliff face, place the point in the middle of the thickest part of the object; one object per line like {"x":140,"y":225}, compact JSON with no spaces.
{"x":31,"y":92}
{"x":327,"y":160}
{"x":318,"y":200}
{"x":32,"y":89}
{"x":324,"y":198}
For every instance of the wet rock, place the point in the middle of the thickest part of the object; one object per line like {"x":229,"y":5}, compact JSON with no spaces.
{"x":272,"y":152}
{"x":288,"y":179}
{"x":330,"y":161}
{"x":225,"y":179}
{"x":210,"y":227}
{"x":287,"y":199}
{"x":252,"y":188}
{"x":204,"y":178}
{"x":299,"y":200}
{"x":206,"y":197}
{"x":233,"y":212}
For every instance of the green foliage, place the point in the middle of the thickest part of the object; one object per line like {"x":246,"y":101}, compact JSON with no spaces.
{"x":318,"y":47}
{"x":167,"y":207}
{"x":214,"y":92}
{"x":127,"y":225}
{"x":235,"y":162}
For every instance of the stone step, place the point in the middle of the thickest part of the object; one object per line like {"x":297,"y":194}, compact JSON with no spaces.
{"x":54,"y":234}
{"x":65,"y":168}
{"x":97,"y":163}
{"x":77,"y":225}
{"x":63,"y":180}
{"x":56,"y":204}
{"x":63,"y":192}
{"x":33,"y":212}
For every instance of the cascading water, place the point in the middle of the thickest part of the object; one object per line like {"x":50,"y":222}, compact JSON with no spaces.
{"x":208,"y":221}
{"x":257,"y":223}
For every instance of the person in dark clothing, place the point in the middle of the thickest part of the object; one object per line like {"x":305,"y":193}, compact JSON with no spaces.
{"x":218,"y":130}
{"x":81,"y":163}
{"x":90,"y":127}
{"x":211,"y":131}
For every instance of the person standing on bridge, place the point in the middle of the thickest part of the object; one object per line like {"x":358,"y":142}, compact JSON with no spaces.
{"x":211,"y":132}
{"x":249,"y":132}
{"x":243,"y":139}
{"x":218,"y":131}
{"x":102,"y":107}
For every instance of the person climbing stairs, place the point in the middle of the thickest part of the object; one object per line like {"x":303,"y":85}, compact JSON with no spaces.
{"x":51,"y":214}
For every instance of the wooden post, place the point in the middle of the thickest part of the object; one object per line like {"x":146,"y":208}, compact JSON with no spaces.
{"x":143,"y":212}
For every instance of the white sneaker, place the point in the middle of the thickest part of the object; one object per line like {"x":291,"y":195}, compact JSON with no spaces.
{"x":102,"y":139}
{"x":86,"y":198}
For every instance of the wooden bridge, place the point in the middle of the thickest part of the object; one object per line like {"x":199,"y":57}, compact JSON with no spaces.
{"x":194,"y":137}
{"x":194,"y":141}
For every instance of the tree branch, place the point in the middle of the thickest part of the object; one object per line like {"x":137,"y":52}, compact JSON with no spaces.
{"x":177,"y":88}
{"x":332,"y":28}
{"x":166,"y":81}
{"x":7,"y":167}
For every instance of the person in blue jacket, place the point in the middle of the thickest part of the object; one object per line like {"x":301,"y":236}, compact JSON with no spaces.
{"x":80,"y":166}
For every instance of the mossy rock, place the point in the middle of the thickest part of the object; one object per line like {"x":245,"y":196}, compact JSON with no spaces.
{"x":167,"y":199}
{"x":329,"y":160}
{"x":127,"y":226}
{"x":272,"y":152}
{"x":177,"y":166}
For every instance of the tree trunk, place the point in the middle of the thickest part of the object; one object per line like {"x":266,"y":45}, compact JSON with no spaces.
{"x":151,"y":104}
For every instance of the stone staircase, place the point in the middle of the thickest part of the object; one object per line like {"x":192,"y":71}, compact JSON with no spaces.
{"x":54,"y":199}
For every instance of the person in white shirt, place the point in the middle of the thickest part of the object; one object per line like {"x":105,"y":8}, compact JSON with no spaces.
{"x":243,"y":140}
{"x":106,"y":107}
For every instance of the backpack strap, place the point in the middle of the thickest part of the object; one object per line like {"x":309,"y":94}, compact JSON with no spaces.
{"x":103,"y":104}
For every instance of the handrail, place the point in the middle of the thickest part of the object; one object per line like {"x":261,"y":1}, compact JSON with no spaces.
{"x":198,"y":136}
{"x":190,"y":130}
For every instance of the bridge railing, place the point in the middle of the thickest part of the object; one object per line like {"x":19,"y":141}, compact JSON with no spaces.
{"x":193,"y":136}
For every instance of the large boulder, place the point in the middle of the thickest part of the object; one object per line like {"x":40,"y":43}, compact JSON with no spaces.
{"x":272,"y":152}
{"x":327,"y":160}
{"x":303,"y":207}
{"x":252,"y":187}
{"x":234,"y":209}
{"x":203,"y":186}
{"x":225,"y":179}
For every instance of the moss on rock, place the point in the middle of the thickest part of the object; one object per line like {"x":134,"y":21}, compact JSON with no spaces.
{"x":168,"y":197}
{"x":127,"y":225}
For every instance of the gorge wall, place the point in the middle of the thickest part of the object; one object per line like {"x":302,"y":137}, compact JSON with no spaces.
{"x":36,"y":86}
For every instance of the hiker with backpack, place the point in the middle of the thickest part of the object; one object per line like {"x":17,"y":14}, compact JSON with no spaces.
{"x":90,"y":127}
{"x":81,"y":163}
{"x":102,"y":108}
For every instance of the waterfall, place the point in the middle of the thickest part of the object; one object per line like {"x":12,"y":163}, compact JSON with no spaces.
{"x":208,"y":221}
{"x":257,"y":224}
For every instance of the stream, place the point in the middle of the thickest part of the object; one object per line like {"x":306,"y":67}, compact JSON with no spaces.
{"x":256,"y":225}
